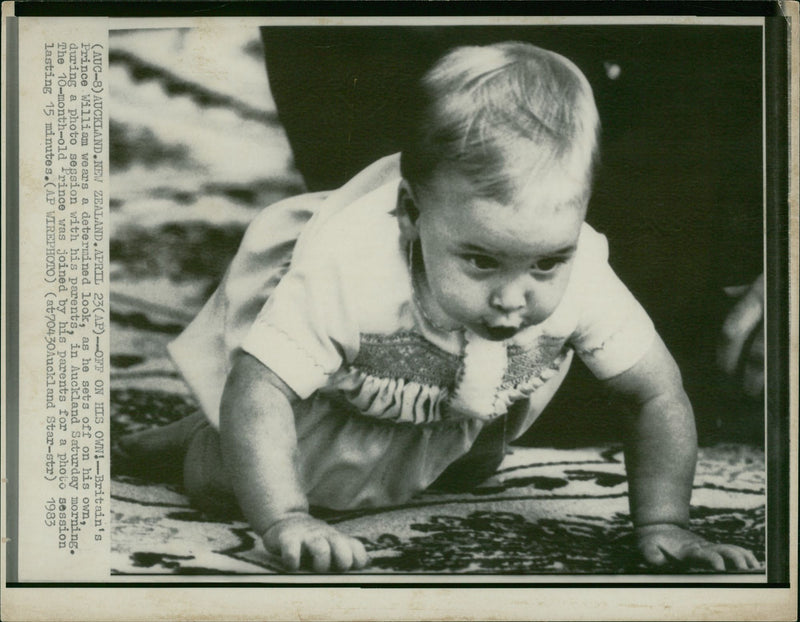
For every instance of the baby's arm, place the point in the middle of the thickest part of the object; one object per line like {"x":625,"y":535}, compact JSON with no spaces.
{"x":660,"y":458}
{"x":259,"y":447}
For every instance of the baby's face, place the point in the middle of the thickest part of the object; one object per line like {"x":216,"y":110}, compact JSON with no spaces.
{"x":496,"y":268}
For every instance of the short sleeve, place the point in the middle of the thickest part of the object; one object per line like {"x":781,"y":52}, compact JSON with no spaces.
{"x":307,"y":327}
{"x":613,"y":330}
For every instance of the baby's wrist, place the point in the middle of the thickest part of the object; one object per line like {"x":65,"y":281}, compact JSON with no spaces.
{"x":660,"y":515}
{"x":642,"y":529}
{"x":283,"y":518}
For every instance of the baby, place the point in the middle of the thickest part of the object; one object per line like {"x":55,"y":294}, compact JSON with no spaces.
{"x":370,"y":341}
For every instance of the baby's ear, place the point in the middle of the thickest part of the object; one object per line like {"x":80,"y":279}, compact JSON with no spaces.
{"x":407,"y":212}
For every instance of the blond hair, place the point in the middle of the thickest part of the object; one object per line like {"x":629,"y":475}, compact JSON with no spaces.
{"x":503,"y":115}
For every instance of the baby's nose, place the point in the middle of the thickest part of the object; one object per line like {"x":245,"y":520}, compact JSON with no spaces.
{"x":509,"y":300}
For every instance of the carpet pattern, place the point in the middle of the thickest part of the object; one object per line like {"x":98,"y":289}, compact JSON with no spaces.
{"x":545,"y":512}
{"x":196,"y":151}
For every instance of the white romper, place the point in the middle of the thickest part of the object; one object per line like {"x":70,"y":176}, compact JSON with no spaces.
{"x":320,"y":292}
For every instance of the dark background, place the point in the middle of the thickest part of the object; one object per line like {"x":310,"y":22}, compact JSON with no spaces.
{"x":678,"y":192}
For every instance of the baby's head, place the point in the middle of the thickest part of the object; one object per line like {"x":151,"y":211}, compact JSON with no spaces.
{"x":503,"y":116}
{"x":497,"y":173}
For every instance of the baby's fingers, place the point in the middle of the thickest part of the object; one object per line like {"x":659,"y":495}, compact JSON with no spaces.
{"x":722,"y":556}
{"x":360,"y":555}
{"x":319,"y":549}
{"x":738,"y":557}
{"x":752,"y":561}
{"x":703,"y":556}
{"x":341,"y":553}
{"x":653,"y":554}
{"x":348,"y":553}
{"x":290,"y":547}
{"x":305,"y":542}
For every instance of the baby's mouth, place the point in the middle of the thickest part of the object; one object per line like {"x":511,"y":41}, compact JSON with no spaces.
{"x":500,"y":333}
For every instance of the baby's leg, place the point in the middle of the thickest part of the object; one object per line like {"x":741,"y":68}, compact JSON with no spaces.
{"x":205,"y":479}
{"x":186,"y":450}
{"x":157,"y":453}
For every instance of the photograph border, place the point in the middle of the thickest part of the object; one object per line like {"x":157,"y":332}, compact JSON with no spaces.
{"x":780,"y":238}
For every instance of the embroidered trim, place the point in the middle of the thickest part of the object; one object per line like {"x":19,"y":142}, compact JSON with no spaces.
{"x":403,"y":377}
{"x":406,"y":355}
{"x":526,"y":363}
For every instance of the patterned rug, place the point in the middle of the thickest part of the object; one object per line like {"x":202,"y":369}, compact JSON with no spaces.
{"x":546,"y":511}
{"x":196,"y":150}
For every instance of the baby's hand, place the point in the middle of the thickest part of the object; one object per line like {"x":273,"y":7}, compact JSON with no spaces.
{"x":298,"y":537}
{"x":665,"y":543}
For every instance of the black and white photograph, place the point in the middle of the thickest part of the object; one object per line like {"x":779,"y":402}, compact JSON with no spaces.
{"x":354,"y":313}
{"x":352,"y":266}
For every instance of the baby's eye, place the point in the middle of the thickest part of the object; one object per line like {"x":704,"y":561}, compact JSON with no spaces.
{"x":548,"y":264}
{"x":482,"y":262}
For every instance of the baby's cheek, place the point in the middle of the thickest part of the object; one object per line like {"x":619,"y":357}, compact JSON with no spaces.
{"x":547,"y":299}
{"x":461,"y":298}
